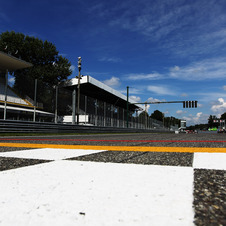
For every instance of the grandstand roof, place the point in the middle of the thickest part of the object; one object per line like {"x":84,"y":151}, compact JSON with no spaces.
{"x":20,"y":109}
{"x":11,"y":63}
{"x":96,"y":89}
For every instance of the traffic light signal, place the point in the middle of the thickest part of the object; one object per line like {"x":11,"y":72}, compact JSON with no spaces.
{"x":190,"y":104}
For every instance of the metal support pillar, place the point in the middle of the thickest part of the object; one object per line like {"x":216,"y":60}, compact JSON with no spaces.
{"x":6,"y":88}
{"x":35,"y":100}
{"x":112,"y":108}
{"x":56,"y":104}
{"x":96,"y":112}
{"x":85,"y":108}
{"x":73,"y":105}
{"x":137,"y":122}
{"x":79,"y":78}
{"x":117,"y":116}
{"x":123,"y":117}
{"x":104,"y":114}
{"x":127,"y":108}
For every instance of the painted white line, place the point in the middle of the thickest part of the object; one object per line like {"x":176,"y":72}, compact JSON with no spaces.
{"x":48,"y":153}
{"x":210,"y":161}
{"x":92,"y":194}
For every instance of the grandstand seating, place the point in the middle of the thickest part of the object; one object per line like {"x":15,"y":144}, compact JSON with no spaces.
{"x":12,"y":97}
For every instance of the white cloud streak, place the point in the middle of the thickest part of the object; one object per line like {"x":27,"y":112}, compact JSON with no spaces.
{"x":141,"y":76}
{"x":162,"y":90}
{"x":151,"y":99}
{"x":207,"y":69}
{"x":184,"y":27}
{"x":112,"y":82}
{"x":110,"y":59}
{"x":135,"y":99}
{"x":72,"y":67}
{"x":202,"y":70}
{"x":199,"y":118}
{"x":220,"y":107}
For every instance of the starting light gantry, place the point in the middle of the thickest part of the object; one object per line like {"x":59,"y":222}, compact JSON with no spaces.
{"x":186,"y":104}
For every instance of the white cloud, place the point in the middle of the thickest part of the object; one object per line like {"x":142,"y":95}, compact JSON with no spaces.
{"x":199,"y":118}
{"x":206,"y":69}
{"x":210,"y":96}
{"x":63,"y":54}
{"x":135,"y":99}
{"x":184,"y":94}
{"x":220,"y":107}
{"x":179,"y":112}
{"x":11,"y":81}
{"x":224,"y":87}
{"x":72,"y":67}
{"x":175,"y":68}
{"x":110,"y":59}
{"x":151,"y":99}
{"x":134,"y":90}
{"x":112,"y":82}
{"x":162,"y":90}
{"x":150,"y":76}
{"x":154,"y":20}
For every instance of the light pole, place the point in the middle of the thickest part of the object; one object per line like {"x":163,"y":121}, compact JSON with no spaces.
{"x":6,"y":88}
{"x":127,"y":108}
{"x":35,"y":100}
{"x":56,"y":94}
{"x":79,"y":77}
{"x":56,"y":87}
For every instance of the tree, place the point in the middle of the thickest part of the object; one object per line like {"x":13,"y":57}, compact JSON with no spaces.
{"x":211,"y":122}
{"x":158,"y":115}
{"x":143,"y":117}
{"x":223,"y":116}
{"x":49,"y":68}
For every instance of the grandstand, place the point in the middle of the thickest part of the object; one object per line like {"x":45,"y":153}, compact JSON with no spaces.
{"x":12,"y":106}
{"x":12,"y":97}
{"x":100,"y":105}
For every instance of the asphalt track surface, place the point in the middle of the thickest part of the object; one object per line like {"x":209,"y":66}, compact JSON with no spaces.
{"x":158,"y":149}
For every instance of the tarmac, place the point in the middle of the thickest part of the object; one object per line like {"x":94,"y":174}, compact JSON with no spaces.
{"x":126,"y":179}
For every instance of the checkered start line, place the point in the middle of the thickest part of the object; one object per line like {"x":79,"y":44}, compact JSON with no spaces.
{"x":68,"y":192}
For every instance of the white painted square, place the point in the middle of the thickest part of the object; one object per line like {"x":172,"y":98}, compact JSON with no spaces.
{"x":48,"y":153}
{"x":91,"y":193}
{"x":210,"y":161}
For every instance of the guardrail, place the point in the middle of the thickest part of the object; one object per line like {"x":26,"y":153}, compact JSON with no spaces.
{"x":10,"y":126}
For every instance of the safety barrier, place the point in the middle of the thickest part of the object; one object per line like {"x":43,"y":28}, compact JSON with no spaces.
{"x":10,"y":126}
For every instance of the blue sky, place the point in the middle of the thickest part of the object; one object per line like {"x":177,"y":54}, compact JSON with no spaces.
{"x":163,"y":50}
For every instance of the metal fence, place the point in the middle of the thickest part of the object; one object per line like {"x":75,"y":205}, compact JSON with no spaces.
{"x":92,"y":112}
{"x":98,"y":113}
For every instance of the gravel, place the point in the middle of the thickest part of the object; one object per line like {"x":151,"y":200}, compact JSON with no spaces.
{"x":7,"y":163}
{"x":147,"y":158}
{"x":209,"y":197}
{"x":6,"y":149}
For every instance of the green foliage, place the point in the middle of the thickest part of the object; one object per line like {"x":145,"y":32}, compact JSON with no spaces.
{"x":48,"y":67}
{"x":143,"y":117}
{"x":158,"y":115}
{"x":223,"y":116}
{"x":171,"y":121}
{"x":211,"y":122}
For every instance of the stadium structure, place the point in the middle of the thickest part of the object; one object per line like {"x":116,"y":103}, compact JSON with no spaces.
{"x":99,"y":104}
{"x":12,"y":106}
